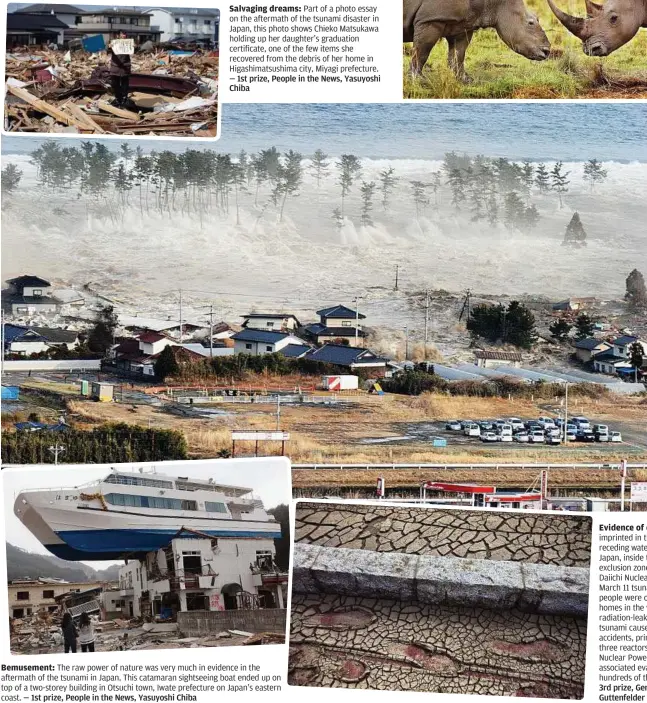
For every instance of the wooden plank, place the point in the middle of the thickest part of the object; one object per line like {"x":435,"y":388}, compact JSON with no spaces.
{"x":107,"y":107}
{"x":83,"y":117}
{"x":42,"y":106}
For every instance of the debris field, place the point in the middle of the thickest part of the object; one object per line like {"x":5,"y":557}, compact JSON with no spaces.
{"x":41,"y":634}
{"x":69,"y":92}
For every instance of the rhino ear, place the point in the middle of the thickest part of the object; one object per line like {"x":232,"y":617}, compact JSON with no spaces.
{"x":593,"y":8}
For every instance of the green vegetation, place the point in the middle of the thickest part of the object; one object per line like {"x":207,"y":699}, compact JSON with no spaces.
{"x":107,"y":444}
{"x":238,"y":367}
{"x":422,"y":379}
{"x":636,"y":294}
{"x":498,"y":72}
{"x":496,"y":323}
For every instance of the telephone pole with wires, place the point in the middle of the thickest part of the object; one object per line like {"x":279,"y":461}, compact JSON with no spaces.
{"x":397,"y":274}
{"x":426,"y":320}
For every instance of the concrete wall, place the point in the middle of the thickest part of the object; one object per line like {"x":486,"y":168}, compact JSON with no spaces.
{"x":201,"y":622}
{"x":51,"y":365}
{"x":499,"y":585}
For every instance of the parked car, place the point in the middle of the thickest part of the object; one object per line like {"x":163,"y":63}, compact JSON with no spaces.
{"x":522,"y":437}
{"x":553,"y":432}
{"x":581,"y":421}
{"x":546,"y":422}
{"x":601,"y":432}
{"x":465,"y":423}
{"x":553,"y":439}
{"x":571,"y":436}
{"x":502,"y":437}
{"x":615,"y":437}
{"x":537,"y":437}
{"x":472,"y":430}
{"x":585,"y":435}
{"x":453,"y":425}
{"x":517,"y":424}
{"x":486,"y":425}
{"x":489,"y":436}
{"x":505,"y":429}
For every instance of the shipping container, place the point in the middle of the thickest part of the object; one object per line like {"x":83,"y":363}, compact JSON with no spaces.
{"x":102,"y":391}
{"x":340,"y":383}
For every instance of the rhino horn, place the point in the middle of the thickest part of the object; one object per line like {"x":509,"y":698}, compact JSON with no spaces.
{"x":575,"y":25}
{"x":593,"y":8}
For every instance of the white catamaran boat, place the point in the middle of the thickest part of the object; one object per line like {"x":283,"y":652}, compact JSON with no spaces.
{"x":128,"y":513}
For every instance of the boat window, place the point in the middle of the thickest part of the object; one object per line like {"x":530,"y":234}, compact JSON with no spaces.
{"x":188,"y":486}
{"x":215,"y":507}
{"x":132,"y":501}
{"x":138,"y":481}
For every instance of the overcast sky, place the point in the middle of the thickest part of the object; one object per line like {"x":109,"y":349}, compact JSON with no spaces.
{"x":268,"y":477}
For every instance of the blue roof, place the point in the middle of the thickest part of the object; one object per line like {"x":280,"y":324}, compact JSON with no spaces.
{"x":252,"y":335}
{"x":343,"y":355}
{"x":623,"y":340}
{"x":341,"y":312}
{"x":589,"y":343}
{"x":294,"y":351}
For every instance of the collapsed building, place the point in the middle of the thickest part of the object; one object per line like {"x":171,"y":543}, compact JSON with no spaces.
{"x":198,"y":572}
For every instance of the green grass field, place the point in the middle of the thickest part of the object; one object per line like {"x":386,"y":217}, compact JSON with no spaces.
{"x":497,"y":72}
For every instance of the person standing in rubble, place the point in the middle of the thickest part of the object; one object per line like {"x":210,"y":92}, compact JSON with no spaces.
{"x":86,"y":633}
{"x":120,"y":70}
{"x":70,"y":633}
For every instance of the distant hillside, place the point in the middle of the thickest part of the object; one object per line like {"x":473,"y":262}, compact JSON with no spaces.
{"x":27,"y":565}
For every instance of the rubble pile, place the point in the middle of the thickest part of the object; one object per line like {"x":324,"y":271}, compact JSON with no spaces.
{"x":56,"y":91}
{"x":36,"y":634}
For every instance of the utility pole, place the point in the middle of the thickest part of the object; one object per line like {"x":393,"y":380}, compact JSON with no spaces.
{"x":397,"y":270}
{"x":406,"y":343}
{"x":426,"y":320}
{"x":278,"y":412}
{"x":357,"y":299}
{"x":566,"y":413}
{"x":2,"y":342}
{"x":181,"y":326}
{"x":623,"y":480}
{"x":56,"y":449}
{"x":211,"y":331}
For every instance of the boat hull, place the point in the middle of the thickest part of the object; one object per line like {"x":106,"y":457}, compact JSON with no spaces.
{"x":76,"y":533}
{"x":98,"y":545}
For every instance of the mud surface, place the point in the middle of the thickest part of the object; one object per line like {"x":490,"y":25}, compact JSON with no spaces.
{"x":352,"y":642}
{"x":539,"y":539}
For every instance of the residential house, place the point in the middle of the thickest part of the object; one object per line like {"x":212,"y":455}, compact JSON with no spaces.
{"x":491,"y":359}
{"x":337,"y":323}
{"x":610,"y":364}
{"x":252,"y":341}
{"x":112,"y":22}
{"x":198,"y":572}
{"x":574,"y":304}
{"x":586,"y":349}
{"x":29,"y":596}
{"x":171,"y":328}
{"x":25,"y":29}
{"x":205,"y":351}
{"x":621,"y":346}
{"x":29,"y":295}
{"x":353,"y":358}
{"x":296,"y":351}
{"x":152,"y":343}
{"x":186,"y":24}
{"x":272,"y":322}
{"x":136,"y":356}
{"x":616,"y":361}
{"x":62,"y":12}
{"x":25,"y":341}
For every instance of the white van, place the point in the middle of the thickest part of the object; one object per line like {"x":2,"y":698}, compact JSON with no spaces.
{"x":472,"y":430}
